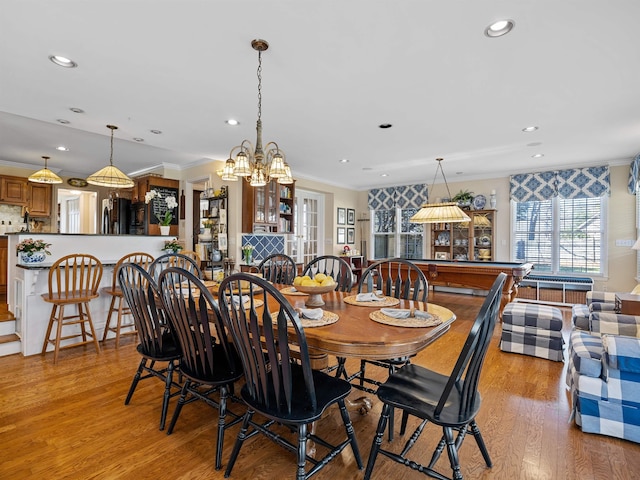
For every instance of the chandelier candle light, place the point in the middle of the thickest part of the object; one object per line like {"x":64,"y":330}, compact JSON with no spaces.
{"x":448,"y":212}
{"x":257,"y":165}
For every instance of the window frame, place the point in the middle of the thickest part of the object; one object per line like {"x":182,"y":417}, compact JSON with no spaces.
{"x":396,"y":237}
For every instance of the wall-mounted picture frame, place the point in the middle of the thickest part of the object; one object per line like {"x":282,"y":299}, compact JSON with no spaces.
{"x":442,"y":255}
{"x":351,"y":216}
{"x":351,"y":235}
{"x":341,"y":235}
{"x":342,"y":216}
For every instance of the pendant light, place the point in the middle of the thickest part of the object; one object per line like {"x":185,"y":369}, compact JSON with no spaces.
{"x":447,"y":212}
{"x":110,"y":176}
{"x":256,"y":165}
{"x":45,"y":175}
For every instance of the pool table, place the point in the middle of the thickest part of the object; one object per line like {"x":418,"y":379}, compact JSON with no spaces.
{"x":480,"y":275}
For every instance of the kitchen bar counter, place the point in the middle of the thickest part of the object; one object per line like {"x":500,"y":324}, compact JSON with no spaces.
{"x":27,"y":282}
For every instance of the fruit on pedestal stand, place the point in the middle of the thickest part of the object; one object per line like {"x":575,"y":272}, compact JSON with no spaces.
{"x":315,"y":287}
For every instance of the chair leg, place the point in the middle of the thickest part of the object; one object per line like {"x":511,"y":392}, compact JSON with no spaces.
{"x":377,"y":440}
{"x":453,"y":453}
{"x":350,"y":433}
{"x":222,"y":413}
{"x":181,"y":402}
{"x":242,"y":436}
{"x":93,"y":331}
{"x":134,"y":382}
{"x":56,"y":344}
{"x":119,"y":321}
{"x":49,"y":327}
{"x":475,"y":431}
{"x":167,"y":394}
{"x":302,"y":451}
{"x":108,"y":324}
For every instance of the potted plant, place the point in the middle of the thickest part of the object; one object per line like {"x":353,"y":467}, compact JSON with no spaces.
{"x":172,"y":246}
{"x":33,"y":251}
{"x":207,"y":224}
{"x":247,"y":253}
{"x":463,"y":198}
{"x":165,"y":220}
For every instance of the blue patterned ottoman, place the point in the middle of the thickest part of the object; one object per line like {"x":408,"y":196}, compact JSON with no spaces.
{"x":532,"y":329}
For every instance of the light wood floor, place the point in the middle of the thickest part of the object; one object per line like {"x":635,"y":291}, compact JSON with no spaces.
{"x":69,"y":422}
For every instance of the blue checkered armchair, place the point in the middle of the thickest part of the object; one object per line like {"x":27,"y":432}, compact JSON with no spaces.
{"x":603,"y":371}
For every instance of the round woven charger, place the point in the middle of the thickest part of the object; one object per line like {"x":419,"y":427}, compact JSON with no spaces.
{"x":380,"y":317}
{"x":327,"y":319}
{"x":256,"y":303}
{"x":292,"y":291}
{"x":387,"y":302}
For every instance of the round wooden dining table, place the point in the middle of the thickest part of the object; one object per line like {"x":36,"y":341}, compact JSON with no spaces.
{"x":355,"y":335}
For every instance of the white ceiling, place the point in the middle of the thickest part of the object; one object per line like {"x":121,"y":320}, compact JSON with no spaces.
{"x":335,"y":70}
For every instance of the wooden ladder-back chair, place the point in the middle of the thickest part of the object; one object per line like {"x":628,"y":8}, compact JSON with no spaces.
{"x":210,"y":363}
{"x":157,"y":343}
{"x":450,"y":401}
{"x":174,"y":260}
{"x":334,"y":267}
{"x":278,"y":268}
{"x":117,"y":300}
{"x":279,"y":381}
{"x":73,"y":280}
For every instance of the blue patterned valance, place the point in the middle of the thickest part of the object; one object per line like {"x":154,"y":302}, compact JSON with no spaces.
{"x":634,"y":174}
{"x":405,"y":196}
{"x":528,"y":187}
{"x":587,"y":182}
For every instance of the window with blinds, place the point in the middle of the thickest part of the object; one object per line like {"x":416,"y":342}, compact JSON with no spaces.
{"x":560,"y":236}
{"x":394,"y":235}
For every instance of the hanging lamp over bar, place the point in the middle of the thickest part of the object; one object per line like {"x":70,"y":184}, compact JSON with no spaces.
{"x":45,"y":175}
{"x":110,"y":176}
{"x":257,"y":165}
{"x":447,"y":212}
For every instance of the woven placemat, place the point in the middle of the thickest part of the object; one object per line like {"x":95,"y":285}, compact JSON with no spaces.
{"x":292,"y":291}
{"x":387,"y":302}
{"x":256,"y":303}
{"x":380,"y":317}
{"x":327,"y":319}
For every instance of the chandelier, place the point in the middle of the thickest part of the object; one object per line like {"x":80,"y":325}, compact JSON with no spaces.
{"x":257,"y":165}
{"x":45,"y":175}
{"x":447,"y":212}
{"x":110,"y":176}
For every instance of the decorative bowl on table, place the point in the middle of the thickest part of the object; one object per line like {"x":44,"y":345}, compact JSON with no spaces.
{"x":315,"y":293}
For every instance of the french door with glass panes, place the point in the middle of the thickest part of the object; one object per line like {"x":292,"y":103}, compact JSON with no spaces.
{"x":304,"y":244}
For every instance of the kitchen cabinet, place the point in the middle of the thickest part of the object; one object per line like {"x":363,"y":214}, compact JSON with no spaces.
{"x":39,"y":200}
{"x":4,"y":258}
{"x":268,"y":209}
{"x":473,"y":240}
{"x":13,"y":190}
{"x":165,"y":187}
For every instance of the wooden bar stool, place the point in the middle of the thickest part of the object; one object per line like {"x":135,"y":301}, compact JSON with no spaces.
{"x":73,"y":280}
{"x":139,"y":258}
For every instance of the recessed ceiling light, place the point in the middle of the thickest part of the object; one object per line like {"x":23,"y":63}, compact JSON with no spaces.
{"x":367,"y":168}
{"x":459,"y":173}
{"x":76,"y":110}
{"x":232,"y":122}
{"x":529,"y":129}
{"x":63,"y":121}
{"x":344,"y":160}
{"x":499,"y":28}
{"x":62,"y":148}
{"x":385,"y":125}
{"x":156,"y":132}
{"x":384,"y":174}
{"x":534,"y":144}
{"x":537,"y":155}
{"x":138,"y":139}
{"x":63,"y":61}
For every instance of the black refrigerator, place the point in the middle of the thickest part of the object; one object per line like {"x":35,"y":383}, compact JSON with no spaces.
{"x":120,"y":216}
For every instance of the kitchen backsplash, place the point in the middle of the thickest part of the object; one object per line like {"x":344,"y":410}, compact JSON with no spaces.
{"x":13,"y":214}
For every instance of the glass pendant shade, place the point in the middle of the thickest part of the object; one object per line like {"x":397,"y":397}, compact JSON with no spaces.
{"x":228,"y":174}
{"x":242,"y":167}
{"x":45,"y":175}
{"x":258,"y":178}
{"x":448,"y":212}
{"x":110,"y":176}
{"x":277,"y":167}
{"x":287,"y":179}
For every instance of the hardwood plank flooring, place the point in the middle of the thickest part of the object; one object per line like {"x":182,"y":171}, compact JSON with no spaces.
{"x":69,"y":421}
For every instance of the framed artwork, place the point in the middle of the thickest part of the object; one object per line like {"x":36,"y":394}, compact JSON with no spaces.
{"x":341,"y":234}
{"x":351,"y":235}
{"x":342,"y":216}
{"x":351,"y":216}
{"x":442,"y":255}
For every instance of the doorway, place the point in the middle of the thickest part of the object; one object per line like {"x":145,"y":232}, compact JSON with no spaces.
{"x":304,"y":244}
{"x":77,"y":211}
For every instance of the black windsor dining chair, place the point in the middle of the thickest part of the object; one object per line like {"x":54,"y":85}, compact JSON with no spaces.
{"x":451,"y":402}
{"x":278,"y":268}
{"x":279,"y":381}
{"x":209,"y":363}
{"x":174,"y":260}
{"x":157,"y":343}
{"x":334,"y":267}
